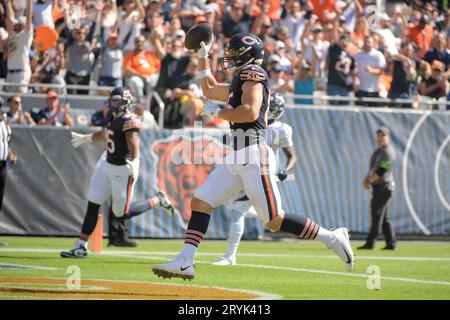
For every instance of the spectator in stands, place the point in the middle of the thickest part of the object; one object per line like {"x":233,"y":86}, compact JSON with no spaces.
{"x":280,"y":81}
{"x":433,"y":84}
{"x":147,"y":119}
{"x":129,"y":24}
{"x":315,"y":45}
{"x":174,"y":25}
{"x":304,"y":81}
{"x":110,"y":15}
{"x":370,"y":65}
{"x":110,"y":73}
{"x":98,"y":119}
{"x":361,"y":31}
{"x":325,"y":10}
{"x":79,"y":59}
{"x":188,"y":94}
{"x":421,"y":33}
{"x":3,"y":51}
{"x":404,"y":74}
{"x":439,"y":50}
{"x":173,"y":70}
{"x":293,"y":19}
{"x":55,"y":113}
{"x":285,"y":58}
{"x":350,"y":10}
{"x":155,"y":22}
{"x":341,"y":66}
{"x":389,"y":40}
{"x":42,"y":13}
{"x":19,"y":45}
{"x":48,"y":66}
{"x":16,"y":115}
{"x":237,"y":19}
{"x":188,"y":11}
{"x":141,"y":68}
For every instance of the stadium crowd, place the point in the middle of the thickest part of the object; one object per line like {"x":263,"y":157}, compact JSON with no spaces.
{"x":361,"y":48}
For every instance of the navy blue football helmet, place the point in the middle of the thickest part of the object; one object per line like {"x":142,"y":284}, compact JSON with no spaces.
{"x":120,"y":101}
{"x":242,"y":49}
{"x":276,"y":108}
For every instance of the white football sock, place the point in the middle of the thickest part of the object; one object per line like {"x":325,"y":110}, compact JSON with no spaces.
{"x":324,"y":235}
{"x":82,"y":243}
{"x":236,"y":232}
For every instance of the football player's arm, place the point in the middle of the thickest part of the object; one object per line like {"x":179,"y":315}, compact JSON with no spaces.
{"x":98,"y":136}
{"x":289,"y":152}
{"x":132,"y":138}
{"x":251,"y":101}
{"x":79,"y":139}
{"x":210,"y":87}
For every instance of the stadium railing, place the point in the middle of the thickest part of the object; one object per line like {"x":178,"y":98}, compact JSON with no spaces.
{"x":95,"y":99}
{"x":419,"y":102}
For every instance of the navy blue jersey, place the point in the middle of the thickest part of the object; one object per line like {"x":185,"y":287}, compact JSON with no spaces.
{"x":116,"y":142}
{"x":254,"y":131}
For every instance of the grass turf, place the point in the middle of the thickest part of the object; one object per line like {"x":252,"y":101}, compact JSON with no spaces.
{"x":293,"y":270}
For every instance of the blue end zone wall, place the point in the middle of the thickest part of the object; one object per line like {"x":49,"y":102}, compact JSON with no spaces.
{"x":46,"y":190}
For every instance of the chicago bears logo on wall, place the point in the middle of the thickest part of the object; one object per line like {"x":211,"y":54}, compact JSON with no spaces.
{"x":182,"y":165}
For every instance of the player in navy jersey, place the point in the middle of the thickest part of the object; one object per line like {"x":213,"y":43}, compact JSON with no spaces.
{"x":251,"y":164}
{"x":116,"y":171}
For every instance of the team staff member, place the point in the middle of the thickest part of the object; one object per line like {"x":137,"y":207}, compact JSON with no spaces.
{"x":381,"y":179}
{"x":6,"y":153}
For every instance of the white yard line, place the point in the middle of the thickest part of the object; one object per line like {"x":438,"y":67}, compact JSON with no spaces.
{"x":10,"y":266}
{"x":347,"y":274}
{"x":218,"y":254}
{"x":138,"y":255}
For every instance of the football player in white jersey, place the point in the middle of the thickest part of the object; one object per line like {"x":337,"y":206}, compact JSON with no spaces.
{"x":278,"y":136}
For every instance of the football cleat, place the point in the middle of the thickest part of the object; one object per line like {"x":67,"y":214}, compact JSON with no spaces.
{"x":341,"y":246}
{"x":181,"y":267}
{"x":78,"y":252}
{"x":225,"y":261}
{"x":166,"y":204}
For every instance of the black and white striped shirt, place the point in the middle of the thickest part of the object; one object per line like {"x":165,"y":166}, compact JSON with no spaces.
{"x":5,"y":137}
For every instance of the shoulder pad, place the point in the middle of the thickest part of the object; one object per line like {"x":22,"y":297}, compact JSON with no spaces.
{"x":253,"y":73}
{"x":287,"y":128}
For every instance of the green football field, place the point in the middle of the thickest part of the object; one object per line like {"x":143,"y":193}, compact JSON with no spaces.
{"x":294,"y":270}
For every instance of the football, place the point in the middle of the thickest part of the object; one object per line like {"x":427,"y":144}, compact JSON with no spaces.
{"x":196,"y":34}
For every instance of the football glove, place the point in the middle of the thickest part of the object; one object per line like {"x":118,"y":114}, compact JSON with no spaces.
{"x":211,"y":109}
{"x":203,"y":52}
{"x":282,"y":175}
{"x":80,"y":139}
{"x":133,"y":166}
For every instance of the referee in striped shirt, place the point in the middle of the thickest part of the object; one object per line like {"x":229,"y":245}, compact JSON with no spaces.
{"x":6,"y":154}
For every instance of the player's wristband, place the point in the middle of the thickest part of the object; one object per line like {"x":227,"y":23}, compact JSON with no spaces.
{"x":203,"y":73}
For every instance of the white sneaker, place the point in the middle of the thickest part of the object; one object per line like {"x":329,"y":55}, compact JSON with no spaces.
{"x":181,"y":267}
{"x":341,"y":246}
{"x":225,"y":261}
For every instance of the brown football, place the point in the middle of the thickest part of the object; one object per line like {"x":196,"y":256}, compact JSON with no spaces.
{"x":196,"y":34}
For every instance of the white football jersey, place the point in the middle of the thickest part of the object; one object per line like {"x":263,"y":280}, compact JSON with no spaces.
{"x":279,"y":135}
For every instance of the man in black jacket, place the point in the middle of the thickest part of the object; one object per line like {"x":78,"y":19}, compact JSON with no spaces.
{"x":381,"y":179}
